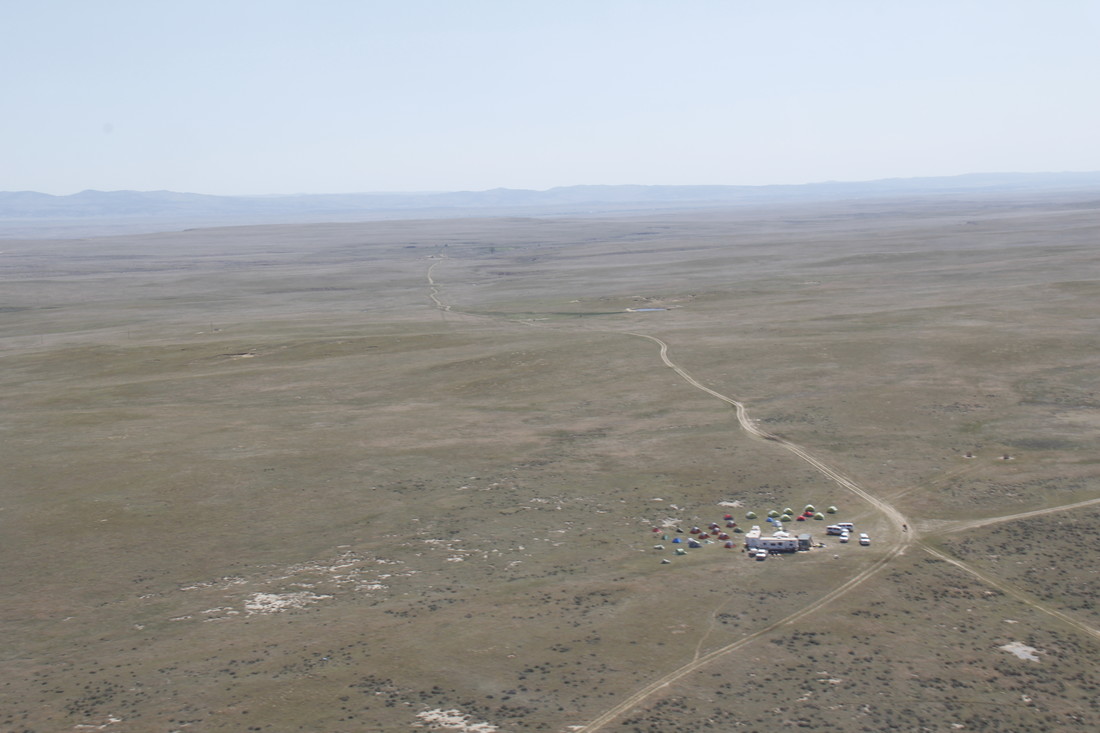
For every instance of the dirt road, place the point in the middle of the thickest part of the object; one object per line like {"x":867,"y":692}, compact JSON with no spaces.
{"x":905,"y":537}
{"x":1015,"y":593}
{"x":975,"y":523}
{"x":900,"y":540}
{"x":749,"y":426}
{"x":433,"y":291}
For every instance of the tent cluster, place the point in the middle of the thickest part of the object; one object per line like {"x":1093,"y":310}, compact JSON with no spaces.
{"x":788,"y":514}
{"x":698,"y":536}
{"x":721,"y":532}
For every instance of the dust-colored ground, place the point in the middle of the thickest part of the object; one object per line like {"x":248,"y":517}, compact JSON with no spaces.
{"x":279,"y":478}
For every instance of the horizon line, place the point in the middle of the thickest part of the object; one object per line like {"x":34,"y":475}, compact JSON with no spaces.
{"x":429,"y":192}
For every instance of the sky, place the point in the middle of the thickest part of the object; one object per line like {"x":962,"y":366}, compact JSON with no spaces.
{"x":237,"y":97}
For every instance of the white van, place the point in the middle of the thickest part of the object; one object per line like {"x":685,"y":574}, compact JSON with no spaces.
{"x":847,"y":526}
{"x":864,"y":539}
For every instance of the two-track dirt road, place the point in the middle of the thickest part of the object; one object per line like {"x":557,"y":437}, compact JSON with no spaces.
{"x":899,"y":541}
{"x":905,"y":537}
{"x":887,"y":509}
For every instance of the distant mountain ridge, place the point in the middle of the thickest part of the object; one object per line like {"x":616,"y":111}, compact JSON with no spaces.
{"x":28,"y":213}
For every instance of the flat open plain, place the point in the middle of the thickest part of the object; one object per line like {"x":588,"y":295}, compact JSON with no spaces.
{"x":401,"y":476}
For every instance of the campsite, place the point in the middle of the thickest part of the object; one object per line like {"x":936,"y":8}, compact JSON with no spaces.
{"x":777,"y":539}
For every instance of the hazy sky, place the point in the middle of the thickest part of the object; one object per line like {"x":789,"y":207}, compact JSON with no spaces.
{"x":329,"y":96}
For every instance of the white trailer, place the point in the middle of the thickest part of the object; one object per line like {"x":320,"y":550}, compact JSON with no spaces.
{"x":773,"y":544}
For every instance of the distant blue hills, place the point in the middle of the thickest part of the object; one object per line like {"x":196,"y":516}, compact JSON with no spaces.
{"x":28,"y":213}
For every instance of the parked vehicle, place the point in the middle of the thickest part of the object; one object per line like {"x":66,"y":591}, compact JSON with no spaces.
{"x":761,"y":554}
{"x":845,"y":537}
{"x":864,"y":539}
{"x":846,"y":526}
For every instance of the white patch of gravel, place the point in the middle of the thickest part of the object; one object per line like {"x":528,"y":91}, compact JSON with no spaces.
{"x":277,"y":602}
{"x":221,"y":583}
{"x":111,"y":720}
{"x":1021,"y":650}
{"x":453,"y":720}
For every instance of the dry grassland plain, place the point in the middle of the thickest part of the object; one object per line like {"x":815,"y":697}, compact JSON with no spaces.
{"x":402,"y":476}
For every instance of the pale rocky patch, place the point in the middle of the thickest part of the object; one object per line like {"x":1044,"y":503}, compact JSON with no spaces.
{"x":452,"y":720}
{"x":277,"y":602}
{"x":1021,"y":650}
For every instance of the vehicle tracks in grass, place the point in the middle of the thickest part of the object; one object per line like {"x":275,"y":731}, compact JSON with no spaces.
{"x":749,"y":426}
{"x":1014,"y":592}
{"x":905,"y":537}
{"x":433,"y":291}
{"x":962,"y":526}
{"x":699,"y":661}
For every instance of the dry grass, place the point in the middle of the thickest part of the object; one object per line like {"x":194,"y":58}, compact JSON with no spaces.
{"x":254,"y":480}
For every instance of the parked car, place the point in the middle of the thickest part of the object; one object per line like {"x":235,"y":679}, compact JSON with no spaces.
{"x":844,"y":537}
{"x":761,"y":554}
{"x":864,"y":539}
